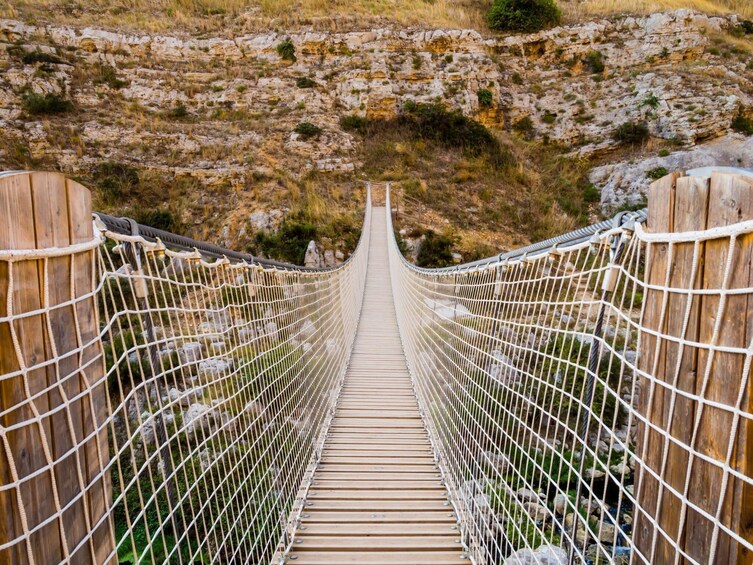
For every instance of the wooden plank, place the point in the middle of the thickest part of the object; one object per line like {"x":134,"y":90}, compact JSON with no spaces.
{"x":375,"y":543}
{"x":730,"y":201}
{"x":381,"y":529}
{"x":17,"y":231}
{"x":661,"y":198}
{"x":313,"y":515}
{"x":382,"y":558}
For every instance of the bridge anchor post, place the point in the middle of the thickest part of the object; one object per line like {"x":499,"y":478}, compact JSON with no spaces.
{"x":695,"y":379}
{"x":53,"y":443}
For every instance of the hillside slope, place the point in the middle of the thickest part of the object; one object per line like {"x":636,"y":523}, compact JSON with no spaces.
{"x":229,"y":138}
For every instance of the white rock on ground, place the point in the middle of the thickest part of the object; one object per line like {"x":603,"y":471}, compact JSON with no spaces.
{"x":543,"y":555}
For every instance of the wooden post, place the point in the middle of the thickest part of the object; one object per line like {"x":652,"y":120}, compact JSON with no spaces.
{"x":56,"y":467}
{"x":681,"y":204}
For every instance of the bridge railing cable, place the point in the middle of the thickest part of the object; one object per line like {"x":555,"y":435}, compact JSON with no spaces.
{"x":173,"y":412}
{"x":588,"y":399}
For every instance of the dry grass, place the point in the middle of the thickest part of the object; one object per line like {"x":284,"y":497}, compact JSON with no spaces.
{"x":579,"y":10}
{"x":249,"y":15}
{"x":257,"y":15}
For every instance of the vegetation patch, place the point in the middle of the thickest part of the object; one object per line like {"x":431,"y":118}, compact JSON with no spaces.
{"x":115,"y":180}
{"x":657,"y":173}
{"x":631,"y":133}
{"x":305,"y":82}
{"x":40,"y":104}
{"x":105,"y":74}
{"x":453,"y":130}
{"x":307,"y":130}
{"x":485,"y":97}
{"x":289,"y":243}
{"x":435,"y":251}
{"x":742,"y":124}
{"x":523,"y":15}
{"x":286,"y":50}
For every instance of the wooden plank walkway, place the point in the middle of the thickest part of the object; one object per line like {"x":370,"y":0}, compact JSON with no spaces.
{"x":377,"y":496}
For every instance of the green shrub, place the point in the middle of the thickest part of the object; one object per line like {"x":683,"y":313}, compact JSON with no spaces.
{"x":305,"y":82}
{"x":631,"y":133}
{"x":38,"y":104}
{"x":107,"y":75}
{"x":156,"y":218}
{"x":664,"y":152}
{"x":485,"y":97}
{"x":549,"y":117}
{"x":177,"y":112}
{"x":289,"y":243}
{"x":115,"y":179}
{"x":657,"y":173}
{"x":453,"y":129}
{"x":651,"y":101}
{"x":595,"y":62}
{"x":523,"y":15}
{"x":286,"y":50}
{"x":40,"y":57}
{"x":307,"y":130}
{"x":353,"y":123}
{"x":524,"y":126}
{"x":742,"y":124}
{"x":591,"y":193}
{"x":435,"y":251}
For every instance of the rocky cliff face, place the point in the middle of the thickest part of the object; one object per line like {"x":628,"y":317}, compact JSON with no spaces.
{"x":222,"y":111}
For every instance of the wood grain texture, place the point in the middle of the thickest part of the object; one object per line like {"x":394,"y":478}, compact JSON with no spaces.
{"x":377,"y":495}
{"x":40,"y":211}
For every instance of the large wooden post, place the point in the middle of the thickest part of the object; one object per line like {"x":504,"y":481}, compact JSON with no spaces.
{"x":681,"y":204}
{"x":54,"y":498}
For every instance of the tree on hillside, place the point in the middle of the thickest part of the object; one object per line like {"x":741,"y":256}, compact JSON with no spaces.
{"x":523,"y":15}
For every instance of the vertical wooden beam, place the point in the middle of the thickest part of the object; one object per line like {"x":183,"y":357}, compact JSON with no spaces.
{"x":45,"y":402}
{"x":661,"y":197}
{"x":680,"y":205}
{"x":731,"y":201}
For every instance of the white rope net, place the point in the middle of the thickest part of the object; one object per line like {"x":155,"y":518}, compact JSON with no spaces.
{"x":220,"y":380}
{"x":585,"y":401}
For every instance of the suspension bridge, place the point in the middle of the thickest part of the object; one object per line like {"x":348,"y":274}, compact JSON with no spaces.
{"x":586,"y":399}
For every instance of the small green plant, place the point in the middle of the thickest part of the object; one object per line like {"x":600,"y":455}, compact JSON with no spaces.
{"x":435,"y":251}
{"x":524,"y":126}
{"x":39,"y":104}
{"x":115,"y":180}
{"x":591,"y":193}
{"x":651,"y":101}
{"x":177,"y":112}
{"x":742,"y":124}
{"x":657,"y":173}
{"x":664,"y":152}
{"x":549,"y":117}
{"x":160,"y":219}
{"x":595,"y":62}
{"x":485,"y":97}
{"x":289,"y":243}
{"x":307,"y":130}
{"x":631,"y":133}
{"x":305,"y":82}
{"x":107,"y":75}
{"x":353,"y":123}
{"x":40,"y":57}
{"x":286,"y":50}
{"x":517,"y":78}
{"x":417,"y":62}
{"x":523,"y":15}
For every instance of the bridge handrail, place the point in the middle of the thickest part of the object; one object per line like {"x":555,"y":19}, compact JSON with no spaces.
{"x":588,"y":397}
{"x":161,"y":399}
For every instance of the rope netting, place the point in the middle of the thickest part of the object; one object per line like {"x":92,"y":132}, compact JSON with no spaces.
{"x":219,"y":382}
{"x":585,"y":400}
